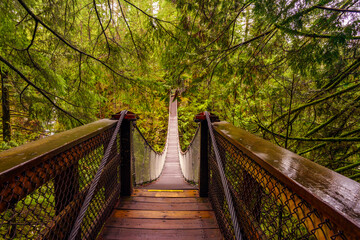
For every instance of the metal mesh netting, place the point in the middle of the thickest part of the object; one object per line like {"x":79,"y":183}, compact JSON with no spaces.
{"x":190,"y":159}
{"x":266,"y":207}
{"x":147,"y":163}
{"x":41,"y":200}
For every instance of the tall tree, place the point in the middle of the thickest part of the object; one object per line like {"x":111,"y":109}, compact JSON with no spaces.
{"x":5,"y":106}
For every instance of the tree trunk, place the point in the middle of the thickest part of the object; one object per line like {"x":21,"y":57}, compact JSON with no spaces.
{"x":5,"y":104}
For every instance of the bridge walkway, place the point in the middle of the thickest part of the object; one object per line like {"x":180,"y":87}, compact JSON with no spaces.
{"x":171,"y":176}
{"x":169,"y":208}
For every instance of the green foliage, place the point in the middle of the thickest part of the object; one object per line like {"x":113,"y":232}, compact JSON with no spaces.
{"x":264,"y":59}
{"x":76,"y":84}
{"x":285,"y":70}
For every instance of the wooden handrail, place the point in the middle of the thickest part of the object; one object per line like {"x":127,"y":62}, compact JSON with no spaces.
{"x":24,"y":156}
{"x":335,"y":196}
{"x":50,"y":175}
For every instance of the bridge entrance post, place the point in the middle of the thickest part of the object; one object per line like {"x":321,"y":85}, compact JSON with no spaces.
{"x":204,"y":152}
{"x":204,"y":160}
{"x":126,"y":166}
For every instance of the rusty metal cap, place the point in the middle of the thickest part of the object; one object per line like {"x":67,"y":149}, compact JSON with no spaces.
{"x":201,"y":117}
{"x":129,"y":116}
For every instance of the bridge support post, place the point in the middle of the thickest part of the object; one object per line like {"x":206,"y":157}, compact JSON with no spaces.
{"x":204,"y":160}
{"x":125,"y":153}
{"x":204,"y":153}
{"x":126,"y":166}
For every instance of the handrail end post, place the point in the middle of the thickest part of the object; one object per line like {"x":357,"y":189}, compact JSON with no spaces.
{"x":204,"y":152}
{"x":126,"y":166}
{"x":129,"y":116}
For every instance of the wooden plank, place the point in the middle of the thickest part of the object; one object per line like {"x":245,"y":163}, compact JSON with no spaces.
{"x":149,"y":234}
{"x":165,"y":190}
{"x":164,"y":200}
{"x":164,"y":206}
{"x":139,"y":223}
{"x":162,"y":214}
{"x":147,"y":193}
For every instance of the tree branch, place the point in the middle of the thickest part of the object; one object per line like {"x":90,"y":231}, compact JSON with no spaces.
{"x":340,"y":113}
{"x":248,"y":41}
{"x":312,"y":35}
{"x":338,"y":9}
{"x":156,"y":19}
{"x":350,"y":166}
{"x":102,"y":27}
{"x":22,"y":92}
{"x":331,"y":139}
{"x":17,"y":24}
{"x":39,"y":90}
{"x":131,"y":34}
{"x":231,"y":22}
{"x":329,"y":86}
{"x":299,"y":14}
{"x":323,"y":144}
{"x":150,"y":16}
{"x":68,"y":43}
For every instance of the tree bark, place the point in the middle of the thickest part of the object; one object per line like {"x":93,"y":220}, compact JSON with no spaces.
{"x":5,"y":104}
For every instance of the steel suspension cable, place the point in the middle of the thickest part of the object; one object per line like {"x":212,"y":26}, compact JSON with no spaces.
{"x":224,"y":182}
{"x":95,"y":182}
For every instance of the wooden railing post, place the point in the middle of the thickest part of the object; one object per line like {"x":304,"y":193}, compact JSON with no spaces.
{"x":204,"y":159}
{"x":204,"y":153}
{"x":126,"y":168}
{"x":125,"y":153}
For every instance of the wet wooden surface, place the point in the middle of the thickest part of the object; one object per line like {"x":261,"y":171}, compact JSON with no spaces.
{"x":165,"y":193}
{"x":23,"y":157}
{"x":150,"y":214}
{"x":334,"y":195}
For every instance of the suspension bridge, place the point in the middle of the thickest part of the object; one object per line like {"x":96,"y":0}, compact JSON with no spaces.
{"x":104,"y":181}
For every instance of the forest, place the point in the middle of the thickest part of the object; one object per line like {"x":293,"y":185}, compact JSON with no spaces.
{"x":285,"y":70}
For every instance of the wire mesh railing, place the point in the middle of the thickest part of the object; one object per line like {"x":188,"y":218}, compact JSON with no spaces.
{"x":147,"y":162}
{"x":93,"y":198}
{"x":222,"y":185}
{"x":41,"y":198}
{"x":267,"y":207}
{"x":190,"y":159}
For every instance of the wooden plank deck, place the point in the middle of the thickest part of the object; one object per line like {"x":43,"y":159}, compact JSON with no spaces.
{"x":150,"y":214}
